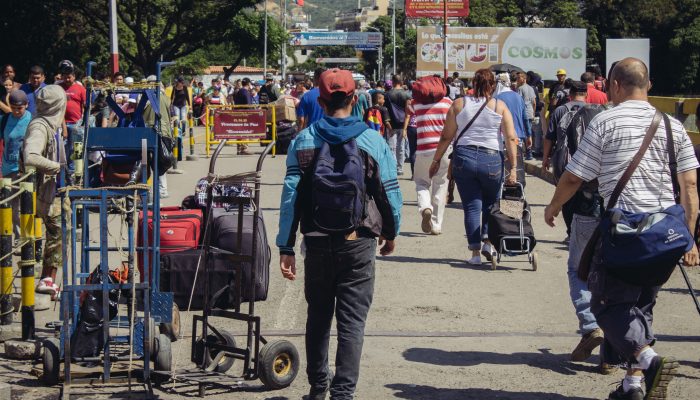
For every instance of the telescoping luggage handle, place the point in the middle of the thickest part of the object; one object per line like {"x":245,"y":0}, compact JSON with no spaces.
{"x":261,"y":159}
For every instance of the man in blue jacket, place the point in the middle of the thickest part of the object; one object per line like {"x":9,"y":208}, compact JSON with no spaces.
{"x":339,"y":267}
{"x":516,"y":105}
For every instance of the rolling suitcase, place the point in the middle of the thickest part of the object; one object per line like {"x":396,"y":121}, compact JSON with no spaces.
{"x":179,"y":230}
{"x":224,"y":235}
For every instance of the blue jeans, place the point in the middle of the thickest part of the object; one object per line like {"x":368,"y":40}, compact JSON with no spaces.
{"x":338,"y":278}
{"x":582,"y":229}
{"x":479,"y":176}
{"x":395,"y":141}
{"x":181,"y":117}
{"x":75,"y":134}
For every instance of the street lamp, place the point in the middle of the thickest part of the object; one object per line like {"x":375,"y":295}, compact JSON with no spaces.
{"x":380,"y":58}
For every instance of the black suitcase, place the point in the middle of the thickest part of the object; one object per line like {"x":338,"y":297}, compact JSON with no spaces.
{"x":285,"y":134}
{"x":501,"y":225}
{"x":177,"y":275}
{"x":224,"y":235}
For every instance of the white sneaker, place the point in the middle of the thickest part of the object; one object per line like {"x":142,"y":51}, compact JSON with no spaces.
{"x":46,"y":286}
{"x":488,"y":251}
{"x":476,"y":260}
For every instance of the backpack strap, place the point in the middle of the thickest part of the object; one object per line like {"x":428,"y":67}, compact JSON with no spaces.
{"x":672,"y":162}
{"x":637,"y":159}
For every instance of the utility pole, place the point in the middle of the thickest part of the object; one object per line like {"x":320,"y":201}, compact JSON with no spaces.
{"x":393,"y":34}
{"x":113,"y":37}
{"x":444,"y":43}
{"x":265,"y":44}
{"x":284,"y":45}
{"x":380,"y":56}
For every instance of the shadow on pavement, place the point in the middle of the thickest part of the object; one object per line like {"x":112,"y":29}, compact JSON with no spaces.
{"x":419,"y":392}
{"x":558,"y":363}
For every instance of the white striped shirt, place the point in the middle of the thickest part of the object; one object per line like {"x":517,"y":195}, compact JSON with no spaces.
{"x":612,"y":139}
{"x":430,"y":119}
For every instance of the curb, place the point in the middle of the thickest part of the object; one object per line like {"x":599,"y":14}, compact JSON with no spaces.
{"x":534,"y":167}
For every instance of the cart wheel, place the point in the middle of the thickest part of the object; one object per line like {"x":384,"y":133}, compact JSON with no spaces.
{"x":278,"y":364}
{"x":535,"y":259}
{"x":52,"y":361}
{"x":164,"y":359}
{"x":172,"y":330}
{"x":494,"y":263}
{"x":226,"y":362}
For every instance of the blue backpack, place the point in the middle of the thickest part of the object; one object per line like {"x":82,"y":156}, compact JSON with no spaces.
{"x":338,"y":188}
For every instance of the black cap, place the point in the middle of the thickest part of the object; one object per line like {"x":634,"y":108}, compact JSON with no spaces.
{"x":579,"y":87}
{"x":18,"y":98}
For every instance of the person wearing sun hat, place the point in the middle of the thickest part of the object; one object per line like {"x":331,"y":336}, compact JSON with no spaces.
{"x":345,"y":285}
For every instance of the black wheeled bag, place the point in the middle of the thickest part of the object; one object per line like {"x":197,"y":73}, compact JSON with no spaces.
{"x":501,"y":225}
{"x":224,"y":236}
{"x":177,"y":275}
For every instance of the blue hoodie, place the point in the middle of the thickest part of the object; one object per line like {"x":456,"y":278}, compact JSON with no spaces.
{"x":381,"y":181}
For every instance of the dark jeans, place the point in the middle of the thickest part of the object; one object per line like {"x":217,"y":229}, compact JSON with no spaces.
{"x":338,"y":277}
{"x":412,"y":133}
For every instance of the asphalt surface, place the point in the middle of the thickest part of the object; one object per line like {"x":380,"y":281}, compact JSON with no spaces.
{"x":438,"y":328}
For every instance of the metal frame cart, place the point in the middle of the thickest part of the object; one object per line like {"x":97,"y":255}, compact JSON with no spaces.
{"x":526,"y":246}
{"x":214,"y":351}
{"x":142,"y":343}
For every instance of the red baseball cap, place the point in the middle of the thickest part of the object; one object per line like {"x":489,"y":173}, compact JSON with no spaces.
{"x":335,"y":80}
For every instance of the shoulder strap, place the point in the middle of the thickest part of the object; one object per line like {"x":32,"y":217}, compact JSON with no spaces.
{"x":672,"y":162}
{"x":469,"y":124}
{"x":636,"y":160}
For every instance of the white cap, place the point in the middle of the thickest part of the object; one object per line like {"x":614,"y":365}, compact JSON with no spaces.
{"x":151,"y":78}
{"x":128,"y":80}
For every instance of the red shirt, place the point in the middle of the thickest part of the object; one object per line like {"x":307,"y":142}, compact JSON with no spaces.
{"x":430,"y":120}
{"x":76,"y":102}
{"x":595,"y":96}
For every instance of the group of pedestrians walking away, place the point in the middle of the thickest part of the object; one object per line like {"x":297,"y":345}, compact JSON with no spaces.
{"x":341,"y":190}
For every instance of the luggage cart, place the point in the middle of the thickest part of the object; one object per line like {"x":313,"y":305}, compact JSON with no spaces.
{"x":276,"y":362}
{"x":519,"y":239}
{"x":142,"y":345}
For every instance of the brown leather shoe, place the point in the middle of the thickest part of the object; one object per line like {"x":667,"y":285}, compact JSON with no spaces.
{"x":588,"y":343}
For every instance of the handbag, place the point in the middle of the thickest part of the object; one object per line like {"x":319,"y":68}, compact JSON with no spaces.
{"x":166,"y":157}
{"x":642,"y":248}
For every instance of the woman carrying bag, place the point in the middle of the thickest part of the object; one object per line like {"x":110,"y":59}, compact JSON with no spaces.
{"x":478,"y":126}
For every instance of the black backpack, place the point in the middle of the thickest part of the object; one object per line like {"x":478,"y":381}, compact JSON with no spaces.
{"x":570,"y":130}
{"x":266,"y":95}
{"x":338,"y":188}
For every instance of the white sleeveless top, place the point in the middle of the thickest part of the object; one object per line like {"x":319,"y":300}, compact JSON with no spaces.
{"x":486,"y":129}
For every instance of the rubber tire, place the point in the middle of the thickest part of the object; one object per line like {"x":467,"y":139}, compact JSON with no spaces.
{"x":535,"y":259}
{"x":494,"y":264}
{"x":226,"y":363}
{"x":51,"y":361}
{"x":172,"y":329}
{"x":269,"y":359}
{"x":163,"y":359}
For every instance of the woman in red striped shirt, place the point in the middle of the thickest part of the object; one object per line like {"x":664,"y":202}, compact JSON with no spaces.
{"x":431,"y":192}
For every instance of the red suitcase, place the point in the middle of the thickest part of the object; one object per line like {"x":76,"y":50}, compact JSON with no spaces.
{"x":179,"y":230}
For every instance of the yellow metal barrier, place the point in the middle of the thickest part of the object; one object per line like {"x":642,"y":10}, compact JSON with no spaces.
{"x":209,"y":132}
{"x":26,"y":218}
{"x":6,"y":308}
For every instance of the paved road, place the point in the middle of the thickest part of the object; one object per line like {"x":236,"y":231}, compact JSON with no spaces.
{"x":440,"y":329}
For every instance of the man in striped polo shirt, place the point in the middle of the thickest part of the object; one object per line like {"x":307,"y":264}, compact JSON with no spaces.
{"x":613,"y":137}
{"x":431,"y":192}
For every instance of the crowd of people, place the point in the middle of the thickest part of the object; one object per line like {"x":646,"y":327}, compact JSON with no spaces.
{"x":475,"y":135}
{"x":478,"y":135}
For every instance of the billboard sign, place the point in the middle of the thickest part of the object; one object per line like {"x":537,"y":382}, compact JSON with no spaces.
{"x":433,"y":9}
{"x":357,"y":39}
{"x":243,"y":125}
{"x":617,"y":49}
{"x":543,"y":50}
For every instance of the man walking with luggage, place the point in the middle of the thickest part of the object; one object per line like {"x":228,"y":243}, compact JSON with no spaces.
{"x":623,"y":310}
{"x":340,"y":226}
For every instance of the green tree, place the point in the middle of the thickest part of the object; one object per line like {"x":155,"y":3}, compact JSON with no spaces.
{"x":151,"y":30}
{"x":405,"y":47}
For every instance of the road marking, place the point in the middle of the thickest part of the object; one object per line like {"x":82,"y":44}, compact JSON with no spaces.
{"x":289,"y":306}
